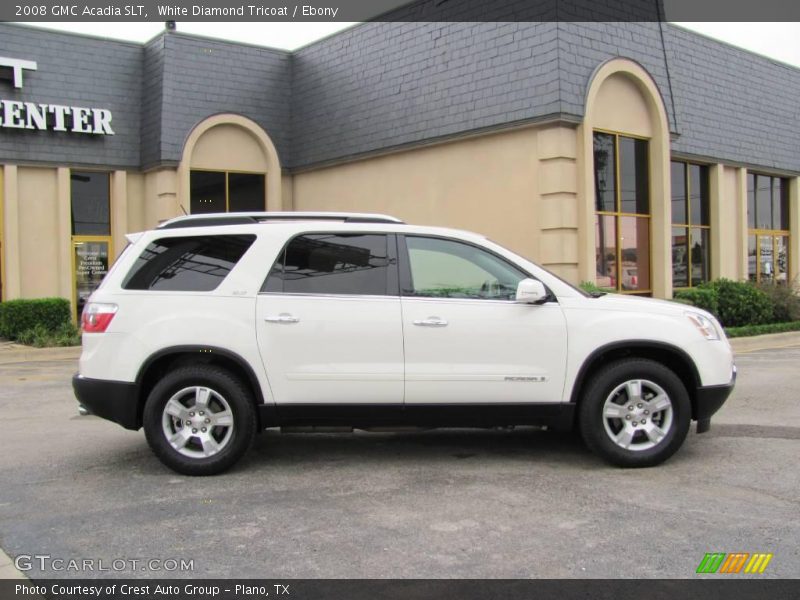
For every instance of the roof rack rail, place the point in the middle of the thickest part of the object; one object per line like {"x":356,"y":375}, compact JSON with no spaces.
{"x":247,"y":218}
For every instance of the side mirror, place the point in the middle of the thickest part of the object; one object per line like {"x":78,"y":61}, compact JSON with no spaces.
{"x":531,"y":291}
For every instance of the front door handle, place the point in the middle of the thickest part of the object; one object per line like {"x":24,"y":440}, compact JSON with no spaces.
{"x":282,"y":318}
{"x":431,"y":322}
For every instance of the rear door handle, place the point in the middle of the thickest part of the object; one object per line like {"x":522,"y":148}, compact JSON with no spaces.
{"x":431,"y":322}
{"x":282,"y":318}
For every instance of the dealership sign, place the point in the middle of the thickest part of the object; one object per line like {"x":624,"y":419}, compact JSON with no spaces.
{"x":15,"y":114}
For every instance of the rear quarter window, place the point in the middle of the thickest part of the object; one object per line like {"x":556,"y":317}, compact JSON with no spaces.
{"x":187,"y":264}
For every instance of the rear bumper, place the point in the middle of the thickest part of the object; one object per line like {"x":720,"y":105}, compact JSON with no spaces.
{"x":708,"y":400}
{"x":116,"y":401}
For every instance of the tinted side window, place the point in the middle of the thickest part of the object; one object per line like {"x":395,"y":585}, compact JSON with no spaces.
{"x":187,"y":264}
{"x":332,"y":264}
{"x":447,"y":269}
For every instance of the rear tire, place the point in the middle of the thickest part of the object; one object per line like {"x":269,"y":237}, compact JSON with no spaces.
{"x":634,"y":413}
{"x":199,"y":420}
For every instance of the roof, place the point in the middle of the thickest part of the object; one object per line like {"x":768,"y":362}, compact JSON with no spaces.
{"x":380,"y":87}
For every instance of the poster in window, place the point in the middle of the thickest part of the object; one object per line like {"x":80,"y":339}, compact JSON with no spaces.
{"x":91,"y":265}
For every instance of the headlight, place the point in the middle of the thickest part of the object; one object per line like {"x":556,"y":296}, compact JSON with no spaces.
{"x":704,"y":325}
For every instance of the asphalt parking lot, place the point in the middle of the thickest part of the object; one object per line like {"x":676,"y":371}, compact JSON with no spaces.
{"x":455,"y":503}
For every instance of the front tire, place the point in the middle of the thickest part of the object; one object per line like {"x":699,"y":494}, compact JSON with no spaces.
{"x":635,"y":413}
{"x":199,"y":420}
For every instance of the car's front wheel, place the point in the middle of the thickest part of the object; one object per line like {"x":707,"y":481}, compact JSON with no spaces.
{"x":635,"y":413}
{"x":199,"y":420}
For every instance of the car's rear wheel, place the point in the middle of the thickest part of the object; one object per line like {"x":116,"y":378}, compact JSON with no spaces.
{"x":635,"y":413}
{"x":199,"y":420}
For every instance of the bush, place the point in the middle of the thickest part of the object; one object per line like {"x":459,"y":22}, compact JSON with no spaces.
{"x":591,"y":287}
{"x":741,"y":303}
{"x":39,"y":336}
{"x":785,"y":302}
{"x":46,"y":314}
{"x":749,"y":330}
{"x":701,"y":297}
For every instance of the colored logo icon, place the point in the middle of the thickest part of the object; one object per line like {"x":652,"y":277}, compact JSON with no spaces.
{"x":733,"y":563}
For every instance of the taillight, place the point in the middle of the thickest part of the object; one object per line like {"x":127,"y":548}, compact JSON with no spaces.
{"x":96,"y":317}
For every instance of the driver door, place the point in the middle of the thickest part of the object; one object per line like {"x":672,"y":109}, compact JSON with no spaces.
{"x":466,"y":340}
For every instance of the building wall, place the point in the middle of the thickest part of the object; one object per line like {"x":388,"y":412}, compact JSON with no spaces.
{"x":381,"y":86}
{"x":516,"y":187}
{"x":37,"y":223}
{"x":483,"y":126}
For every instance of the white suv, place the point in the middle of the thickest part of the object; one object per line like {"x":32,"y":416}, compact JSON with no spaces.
{"x":213,"y":327}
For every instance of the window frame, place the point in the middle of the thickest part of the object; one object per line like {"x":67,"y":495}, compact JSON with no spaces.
{"x":392,"y":277}
{"x":773,"y":234}
{"x":618,"y":215}
{"x":227,"y":172}
{"x":407,"y":282}
{"x":688,"y":225}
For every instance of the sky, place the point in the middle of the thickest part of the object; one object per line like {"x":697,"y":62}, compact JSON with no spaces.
{"x":780,"y":41}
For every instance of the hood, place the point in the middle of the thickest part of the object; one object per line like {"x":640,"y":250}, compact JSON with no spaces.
{"x":627,"y":303}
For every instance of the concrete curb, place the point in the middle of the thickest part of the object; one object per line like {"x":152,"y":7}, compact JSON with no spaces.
{"x":16,"y":353}
{"x":7,"y":568}
{"x":744,"y":345}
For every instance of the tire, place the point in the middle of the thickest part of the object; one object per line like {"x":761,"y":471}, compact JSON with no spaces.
{"x":641,"y":392}
{"x":199,"y":420}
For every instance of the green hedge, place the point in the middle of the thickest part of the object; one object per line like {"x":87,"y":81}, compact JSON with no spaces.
{"x":738,"y":303}
{"x":591,"y":287}
{"x":40,"y":337}
{"x":20,"y":316}
{"x":745,"y":308}
{"x":741,"y":303}
{"x":749,"y":330}
{"x":701,"y":297}
{"x":785,"y":302}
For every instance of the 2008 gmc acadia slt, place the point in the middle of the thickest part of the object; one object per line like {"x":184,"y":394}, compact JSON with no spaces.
{"x":213,"y":327}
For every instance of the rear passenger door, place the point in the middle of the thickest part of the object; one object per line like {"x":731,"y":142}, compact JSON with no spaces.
{"x":328,"y":320}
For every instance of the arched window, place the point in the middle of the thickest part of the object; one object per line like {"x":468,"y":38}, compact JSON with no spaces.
{"x":229,"y":164}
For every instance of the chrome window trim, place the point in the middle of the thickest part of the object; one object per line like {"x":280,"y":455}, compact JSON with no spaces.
{"x":341,"y":296}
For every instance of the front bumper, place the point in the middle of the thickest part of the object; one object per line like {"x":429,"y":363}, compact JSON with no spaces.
{"x":116,"y":401}
{"x":708,"y":400}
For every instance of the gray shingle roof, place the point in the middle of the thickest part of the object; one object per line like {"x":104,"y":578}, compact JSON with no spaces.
{"x":733,"y":105}
{"x":383,"y":85}
{"x":380,"y":86}
{"x":76,"y":71}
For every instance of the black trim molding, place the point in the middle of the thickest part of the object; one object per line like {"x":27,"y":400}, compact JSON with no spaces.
{"x":556,"y":415}
{"x":116,"y":401}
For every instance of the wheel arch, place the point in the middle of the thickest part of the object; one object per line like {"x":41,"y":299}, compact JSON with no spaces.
{"x":674,"y":358}
{"x":158,"y":363}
